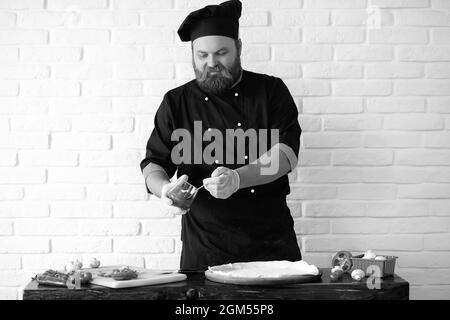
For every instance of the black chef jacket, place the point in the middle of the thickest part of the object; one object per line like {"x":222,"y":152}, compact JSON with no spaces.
{"x":253,"y":224}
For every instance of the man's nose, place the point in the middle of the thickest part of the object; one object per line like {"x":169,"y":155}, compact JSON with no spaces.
{"x":212,"y":62}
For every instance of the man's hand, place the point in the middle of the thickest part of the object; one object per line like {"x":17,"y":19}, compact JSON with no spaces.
{"x":223,"y":183}
{"x":169,"y":202}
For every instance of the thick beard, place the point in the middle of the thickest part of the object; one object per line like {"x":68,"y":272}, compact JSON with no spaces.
{"x":218,"y":83}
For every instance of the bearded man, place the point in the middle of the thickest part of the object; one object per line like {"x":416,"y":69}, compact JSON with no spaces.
{"x":241,"y":214}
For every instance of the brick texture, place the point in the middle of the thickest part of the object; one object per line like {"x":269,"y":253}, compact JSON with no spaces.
{"x":81,"y":80}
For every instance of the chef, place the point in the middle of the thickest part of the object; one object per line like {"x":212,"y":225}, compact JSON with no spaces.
{"x":241,"y":214}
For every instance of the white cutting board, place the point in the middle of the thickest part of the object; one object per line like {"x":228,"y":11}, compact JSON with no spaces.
{"x":145,"y":277}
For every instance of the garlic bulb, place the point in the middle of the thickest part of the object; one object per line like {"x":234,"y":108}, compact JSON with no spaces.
{"x":94,"y":263}
{"x":369,"y":254}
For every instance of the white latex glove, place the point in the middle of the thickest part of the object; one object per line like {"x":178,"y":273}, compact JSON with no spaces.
{"x":169,"y":202}
{"x":223,"y":182}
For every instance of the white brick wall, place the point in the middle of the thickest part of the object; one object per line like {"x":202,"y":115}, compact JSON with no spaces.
{"x":80,"y":81}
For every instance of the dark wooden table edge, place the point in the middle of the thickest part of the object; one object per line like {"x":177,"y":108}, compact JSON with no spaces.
{"x":392,"y":288}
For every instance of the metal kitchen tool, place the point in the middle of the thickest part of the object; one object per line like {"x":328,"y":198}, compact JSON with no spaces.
{"x":183,"y":194}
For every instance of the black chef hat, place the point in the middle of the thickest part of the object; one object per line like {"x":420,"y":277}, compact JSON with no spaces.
{"x":213,"y":20}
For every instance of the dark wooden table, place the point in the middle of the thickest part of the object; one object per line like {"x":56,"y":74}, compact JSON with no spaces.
{"x":198,"y":287}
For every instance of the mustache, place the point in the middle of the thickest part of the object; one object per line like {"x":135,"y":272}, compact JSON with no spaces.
{"x":219,"y":68}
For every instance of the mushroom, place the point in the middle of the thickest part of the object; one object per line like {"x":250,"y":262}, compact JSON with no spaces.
{"x":358,"y":274}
